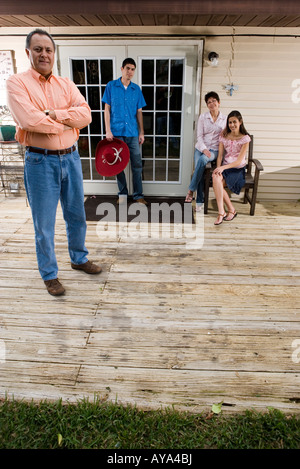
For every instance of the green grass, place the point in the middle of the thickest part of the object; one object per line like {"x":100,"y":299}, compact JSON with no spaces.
{"x":96,"y":425}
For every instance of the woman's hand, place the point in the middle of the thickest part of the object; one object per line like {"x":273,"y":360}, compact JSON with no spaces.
{"x":218,"y":171}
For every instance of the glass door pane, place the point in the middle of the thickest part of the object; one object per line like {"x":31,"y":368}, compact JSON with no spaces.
{"x":162,"y":86}
{"x":91,"y":76}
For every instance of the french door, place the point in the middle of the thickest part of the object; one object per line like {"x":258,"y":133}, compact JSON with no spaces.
{"x":168,"y":73}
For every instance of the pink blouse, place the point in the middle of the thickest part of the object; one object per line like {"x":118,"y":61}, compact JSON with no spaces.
{"x":233,"y":148}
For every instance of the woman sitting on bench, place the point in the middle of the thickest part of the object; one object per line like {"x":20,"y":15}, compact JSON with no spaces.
{"x":231,"y":162}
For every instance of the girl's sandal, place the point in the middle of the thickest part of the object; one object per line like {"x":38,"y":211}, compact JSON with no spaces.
{"x":234,"y":215}
{"x":223,"y":215}
{"x":189,"y":197}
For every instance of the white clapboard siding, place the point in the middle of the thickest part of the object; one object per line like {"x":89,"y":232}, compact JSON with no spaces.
{"x":265,"y":64}
{"x":265,"y":70}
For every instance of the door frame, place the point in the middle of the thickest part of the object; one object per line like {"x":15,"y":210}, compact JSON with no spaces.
{"x":90,"y":187}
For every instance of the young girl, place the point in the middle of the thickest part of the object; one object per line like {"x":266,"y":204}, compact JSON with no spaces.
{"x":231,"y":162}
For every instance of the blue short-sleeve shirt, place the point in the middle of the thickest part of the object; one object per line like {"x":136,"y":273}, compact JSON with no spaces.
{"x":124,"y":104}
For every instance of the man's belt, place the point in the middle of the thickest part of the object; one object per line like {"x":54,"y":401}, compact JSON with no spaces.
{"x":52,"y":152}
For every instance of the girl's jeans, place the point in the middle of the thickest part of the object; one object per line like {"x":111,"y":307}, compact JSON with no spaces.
{"x":197,"y":182}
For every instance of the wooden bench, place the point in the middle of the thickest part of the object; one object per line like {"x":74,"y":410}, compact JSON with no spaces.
{"x":252,"y":178}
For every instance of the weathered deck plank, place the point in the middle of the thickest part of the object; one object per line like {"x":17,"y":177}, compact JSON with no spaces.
{"x":163,"y":324}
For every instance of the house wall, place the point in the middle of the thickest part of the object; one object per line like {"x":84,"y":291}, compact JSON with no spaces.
{"x":264,"y":63}
{"x":267,"y":73}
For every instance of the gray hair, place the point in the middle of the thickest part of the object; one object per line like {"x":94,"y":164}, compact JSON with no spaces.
{"x":42,"y":33}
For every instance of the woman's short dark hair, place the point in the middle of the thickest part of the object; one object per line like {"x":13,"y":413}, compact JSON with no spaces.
{"x":42,"y":33}
{"x":211,"y":94}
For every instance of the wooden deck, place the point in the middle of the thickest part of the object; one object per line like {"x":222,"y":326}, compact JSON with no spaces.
{"x":163,"y":325}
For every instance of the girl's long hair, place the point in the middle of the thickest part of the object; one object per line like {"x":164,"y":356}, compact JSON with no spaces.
{"x":242,"y":127}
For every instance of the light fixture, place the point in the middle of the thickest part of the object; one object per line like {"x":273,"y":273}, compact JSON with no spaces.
{"x":213,"y":57}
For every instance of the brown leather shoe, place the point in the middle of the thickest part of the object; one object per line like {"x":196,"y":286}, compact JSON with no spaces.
{"x":88,"y":267}
{"x":54,"y":287}
{"x":142,"y":201}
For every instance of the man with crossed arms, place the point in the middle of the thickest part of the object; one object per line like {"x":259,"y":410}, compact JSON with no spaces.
{"x":49,"y":111}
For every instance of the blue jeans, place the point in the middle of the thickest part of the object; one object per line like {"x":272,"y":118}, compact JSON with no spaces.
{"x":197,"y":182}
{"x":48,"y":179}
{"x":136,"y":168}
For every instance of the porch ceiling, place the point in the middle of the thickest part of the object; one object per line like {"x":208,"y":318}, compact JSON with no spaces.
{"x":34,"y":13}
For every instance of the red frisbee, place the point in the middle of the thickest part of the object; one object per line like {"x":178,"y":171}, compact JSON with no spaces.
{"x":112,"y":157}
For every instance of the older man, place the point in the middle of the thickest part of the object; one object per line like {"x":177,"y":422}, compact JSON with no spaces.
{"x":49,"y":111}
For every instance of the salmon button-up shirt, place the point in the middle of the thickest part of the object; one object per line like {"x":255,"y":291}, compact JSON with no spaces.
{"x":29,"y":94}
